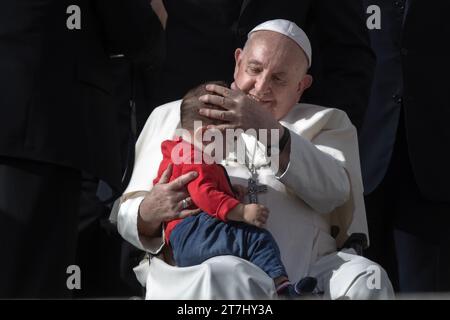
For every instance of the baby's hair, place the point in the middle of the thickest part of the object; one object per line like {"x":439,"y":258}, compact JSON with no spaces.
{"x":191,"y":105}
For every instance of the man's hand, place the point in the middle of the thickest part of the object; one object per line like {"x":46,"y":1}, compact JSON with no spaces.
{"x":165,"y":202}
{"x":241,"y":111}
{"x":256,"y":214}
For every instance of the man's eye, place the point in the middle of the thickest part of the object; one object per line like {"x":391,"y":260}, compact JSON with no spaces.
{"x":278,"y":80}
{"x":253,"y":70}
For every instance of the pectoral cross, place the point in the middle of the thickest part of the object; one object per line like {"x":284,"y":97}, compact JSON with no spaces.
{"x":254,"y":189}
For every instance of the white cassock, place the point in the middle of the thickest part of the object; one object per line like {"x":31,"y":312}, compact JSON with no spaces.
{"x":321,"y":188}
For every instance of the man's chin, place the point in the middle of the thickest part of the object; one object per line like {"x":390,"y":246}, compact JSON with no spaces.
{"x":269,"y":105}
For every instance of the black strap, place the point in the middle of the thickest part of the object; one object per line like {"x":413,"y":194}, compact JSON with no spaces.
{"x":284,"y":139}
{"x":282,"y":142}
{"x":126,"y":177}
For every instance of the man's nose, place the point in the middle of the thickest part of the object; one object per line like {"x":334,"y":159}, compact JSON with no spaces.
{"x":262,"y":86}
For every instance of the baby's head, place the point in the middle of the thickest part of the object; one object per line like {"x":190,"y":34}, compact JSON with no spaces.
{"x":195,"y":125}
{"x":190,"y":106}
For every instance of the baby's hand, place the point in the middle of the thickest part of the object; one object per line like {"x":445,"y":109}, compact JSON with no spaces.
{"x":240,"y":191}
{"x":256,"y":214}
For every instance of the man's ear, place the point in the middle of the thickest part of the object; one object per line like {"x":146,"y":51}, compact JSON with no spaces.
{"x":305,"y":83}
{"x":237,"y":60}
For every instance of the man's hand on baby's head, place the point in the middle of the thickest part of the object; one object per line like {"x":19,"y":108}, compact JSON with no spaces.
{"x":242,"y":110}
{"x":255,"y":214}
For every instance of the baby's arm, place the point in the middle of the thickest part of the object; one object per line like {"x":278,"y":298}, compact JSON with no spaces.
{"x":254,"y":214}
{"x":240,"y":191}
{"x":206,"y":194}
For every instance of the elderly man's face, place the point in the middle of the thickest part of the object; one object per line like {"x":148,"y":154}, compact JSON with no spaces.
{"x":272,"y":69}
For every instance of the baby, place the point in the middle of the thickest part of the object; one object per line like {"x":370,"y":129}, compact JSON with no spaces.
{"x":226,"y":226}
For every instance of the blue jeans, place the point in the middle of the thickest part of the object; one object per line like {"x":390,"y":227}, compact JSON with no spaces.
{"x":200,"y":237}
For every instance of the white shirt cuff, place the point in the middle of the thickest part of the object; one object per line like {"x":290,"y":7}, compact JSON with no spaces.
{"x":127,"y":226}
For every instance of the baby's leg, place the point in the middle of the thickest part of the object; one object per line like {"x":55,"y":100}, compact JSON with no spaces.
{"x":198,"y":238}
{"x":263,"y":251}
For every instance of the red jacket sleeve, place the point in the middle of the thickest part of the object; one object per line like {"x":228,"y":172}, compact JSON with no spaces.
{"x":206,"y":193}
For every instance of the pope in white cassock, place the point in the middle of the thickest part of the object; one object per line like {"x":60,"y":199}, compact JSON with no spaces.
{"x":316,"y":185}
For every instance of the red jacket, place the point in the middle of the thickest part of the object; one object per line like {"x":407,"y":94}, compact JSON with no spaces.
{"x":211,"y":191}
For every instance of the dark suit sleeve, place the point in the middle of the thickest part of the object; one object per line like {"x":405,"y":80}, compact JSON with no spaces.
{"x":343,"y":62}
{"x":132,"y":28}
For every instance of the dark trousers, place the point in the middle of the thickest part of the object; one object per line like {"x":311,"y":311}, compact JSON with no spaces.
{"x":105,"y":258}
{"x":198,"y":238}
{"x":38,"y":228}
{"x":409,"y":234}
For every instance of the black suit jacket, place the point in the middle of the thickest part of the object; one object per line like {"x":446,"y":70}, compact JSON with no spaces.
{"x":342,"y":59}
{"x":422,"y":56}
{"x":426,"y":100}
{"x":55,"y":84}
